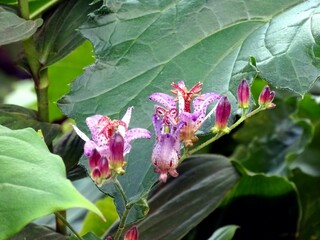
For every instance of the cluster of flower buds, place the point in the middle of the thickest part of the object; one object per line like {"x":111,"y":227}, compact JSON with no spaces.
{"x":109,"y":144}
{"x":224,"y":107}
{"x":174,"y":123}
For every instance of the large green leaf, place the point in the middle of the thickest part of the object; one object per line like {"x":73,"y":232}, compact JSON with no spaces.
{"x":263,"y":207}
{"x":182,"y":203}
{"x":37,"y":232}
{"x":59,"y":36}
{"x":65,"y":71}
{"x":143,"y":46}
{"x":309,"y":194}
{"x":271,"y":140}
{"x":32,"y":181}
{"x":93,"y":224}
{"x":16,"y":117}
{"x":14,"y":28}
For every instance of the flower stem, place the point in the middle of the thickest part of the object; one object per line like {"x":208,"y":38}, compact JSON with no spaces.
{"x":221,"y":133}
{"x":126,"y":211}
{"x":65,"y":222}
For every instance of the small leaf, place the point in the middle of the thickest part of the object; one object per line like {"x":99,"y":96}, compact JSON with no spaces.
{"x":37,"y":232}
{"x":14,"y":28}
{"x":32,"y":181}
{"x":224,"y":233}
{"x":182,"y":203}
{"x":16,"y":117}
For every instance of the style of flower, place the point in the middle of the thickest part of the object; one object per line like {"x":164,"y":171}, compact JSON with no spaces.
{"x":166,"y":151}
{"x":110,"y":143}
{"x":185,"y":97}
{"x":266,"y":97}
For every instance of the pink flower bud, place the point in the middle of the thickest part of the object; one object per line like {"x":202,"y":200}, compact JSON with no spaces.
{"x":116,"y":161}
{"x":222,"y":114}
{"x":266,"y":97}
{"x":132,"y":234}
{"x":243,"y":94}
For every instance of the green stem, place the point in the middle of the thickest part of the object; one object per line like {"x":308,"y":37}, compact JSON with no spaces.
{"x":65,"y":222}
{"x":220,"y":134}
{"x":43,"y":8}
{"x":126,"y":211}
{"x":24,"y":9}
{"x":42,"y":96}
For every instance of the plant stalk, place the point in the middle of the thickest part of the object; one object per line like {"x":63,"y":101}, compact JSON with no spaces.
{"x":62,"y":218}
{"x":126,"y":211}
{"x":221,"y":133}
{"x":41,"y":83}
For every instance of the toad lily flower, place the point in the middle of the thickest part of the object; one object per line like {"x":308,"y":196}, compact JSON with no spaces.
{"x":110,"y":143}
{"x":166,"y":150}
{"x":193,"y":121}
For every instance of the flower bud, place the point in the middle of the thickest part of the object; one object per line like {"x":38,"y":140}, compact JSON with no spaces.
{"x":132,"y":234}
{"x":243,"y":94}
{"x":116,"y":161}
{"x":222,"y":114}
{"x":266,"y":97}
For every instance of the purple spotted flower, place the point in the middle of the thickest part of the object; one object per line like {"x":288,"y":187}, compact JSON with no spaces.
{"x":185,"y":97}
{"x":166,"y":150}
{"x":109,"y":144}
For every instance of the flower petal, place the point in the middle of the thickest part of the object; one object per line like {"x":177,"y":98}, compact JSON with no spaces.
{"x":200,"y":103}
{"x":80,"y":133}
{"x":93,"y":123}
{"x":126,"y":119}
{"x":136,"y":133}
{"x":164,"y":99}
{"x":157,"y":124}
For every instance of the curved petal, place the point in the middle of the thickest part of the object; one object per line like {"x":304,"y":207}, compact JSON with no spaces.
{"x":200,"y":103}
{"x":80,"y":133}
{"x":127,"y":117}
{"x":164,"y":99}
{"x":136,"y":133}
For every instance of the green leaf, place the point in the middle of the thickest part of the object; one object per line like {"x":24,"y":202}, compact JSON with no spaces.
{"x":182,"y":203}
{"x":92,"y":223}
{"x":65,"y":71}
{"x":70,"y":148}
{"x":224,"y":233}
{"x":271,"y":140}
{"x":263,"y":207}
{"x":32,"y":181}
{"x":143,"y":46}
{"x":59,"y":36}
{"x":88,"y":236}
{"x":37,"y":232}
{"x":16,"y":117}
{"x":15,"y":29}
{"x":309,"y":195}
{"x":308,"y":160}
